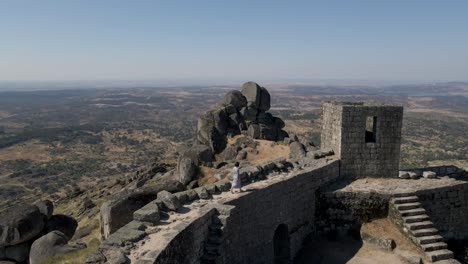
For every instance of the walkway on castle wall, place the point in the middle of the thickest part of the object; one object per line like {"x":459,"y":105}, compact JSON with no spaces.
{"x":395,"y":186}
{"x":161,"y":234}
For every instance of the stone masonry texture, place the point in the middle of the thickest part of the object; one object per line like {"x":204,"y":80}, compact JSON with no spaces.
{"x":344,"y":131}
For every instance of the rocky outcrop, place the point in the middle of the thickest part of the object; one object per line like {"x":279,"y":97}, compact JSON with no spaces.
{"x":169,"y":200}
{"x":239,"y":111}
{"x":50,"y":245}
{"x":20,"y":224}
{"x":63,"y":223}
{"x":19,"y":252}
{"x":118,"y":211}
{"x":186,"y":169}
{"x":190,"y":159}
{"x":297,"y":150}
{"x":258,"y":98}
{"x":46,"y":208}
{"x":199,"y":154}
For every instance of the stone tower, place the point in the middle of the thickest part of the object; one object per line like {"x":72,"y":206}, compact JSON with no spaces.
{"x":365,"y":136}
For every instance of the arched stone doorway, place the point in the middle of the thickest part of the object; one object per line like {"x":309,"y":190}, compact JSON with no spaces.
{"x":282,"y":252}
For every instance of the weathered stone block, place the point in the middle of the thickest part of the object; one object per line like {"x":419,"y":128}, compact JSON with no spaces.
{"x":148,"y":213}
{"x":169,"y":200}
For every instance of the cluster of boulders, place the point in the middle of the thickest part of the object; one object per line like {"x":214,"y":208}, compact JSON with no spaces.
{"x":301,"y":148}
{"x":133,"y":229}
{"x":118,"y":210}
{"x":414,"y":175}
{"x":434,"y":172}
{"x":33,"y":233}
{"x":239,"y":111}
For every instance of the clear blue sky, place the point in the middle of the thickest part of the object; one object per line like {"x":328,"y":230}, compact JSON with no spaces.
{"x":244,"y":40}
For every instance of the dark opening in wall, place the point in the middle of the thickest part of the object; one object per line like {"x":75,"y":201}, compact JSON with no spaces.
{"x":281,"y":247}
{"x":371,"y":129}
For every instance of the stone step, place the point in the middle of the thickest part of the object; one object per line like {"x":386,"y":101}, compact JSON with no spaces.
{"x":223,"y":219}
{"x":419,"y":225}
{"x":207,"y":260}
{"x":415,"y":218}
{"x":407,"y":199}
{"x":434,"y":246}
{"x":441,"y":254}
{"x":424,"y":232}
{"x":216,"y":232}
{"x":429,"y":239}
{"x":411,"y":212}
{"x":210,"y":255}
{"x":216,"y":226}
{"x":447,"y":261}
{"x":211,"y":249}
{"x":215,"y":240}
{"x":398,"y":195}
{"x":407,"y":206}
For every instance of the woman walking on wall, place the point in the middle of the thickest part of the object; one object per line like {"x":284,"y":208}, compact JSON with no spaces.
{"x":236,"y":182}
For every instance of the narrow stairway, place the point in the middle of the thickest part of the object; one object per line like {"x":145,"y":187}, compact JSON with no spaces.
{"x":214,"y":240}
{"x":407,"y":213}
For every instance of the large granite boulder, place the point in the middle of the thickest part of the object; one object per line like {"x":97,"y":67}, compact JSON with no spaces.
{"x":63,"y":223}
{"x":186,"y":169}
{"x":46,"y":208}
{"x":236,"y":99}
{"x":119,"y":209}
{"x":230,"y":153}
{"x":257,"y":96}
{"x":148,"y":213}
{"x":169,"y":200}
{"x":254,"y":131}
{"x":212,"y":133}
{"x":199,"y":154}
{"x":297,"y":150}
{"x":49,"y":245}
{"x":239,"y":111}
{"x":19,"y":252}
{"x":20,"y":224}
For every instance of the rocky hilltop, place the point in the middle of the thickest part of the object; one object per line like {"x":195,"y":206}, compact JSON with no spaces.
{"x":239,"y":112}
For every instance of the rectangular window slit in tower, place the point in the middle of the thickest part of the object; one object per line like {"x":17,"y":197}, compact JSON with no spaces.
{"x":371,"y":129}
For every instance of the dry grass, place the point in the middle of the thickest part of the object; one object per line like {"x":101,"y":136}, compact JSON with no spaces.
{"x":385,"y":228}
{"x":207,"y":175}
{"x":268,"y":150}
{"x":29,"y":150}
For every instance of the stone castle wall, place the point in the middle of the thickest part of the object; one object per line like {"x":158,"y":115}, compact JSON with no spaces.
{"x":341,"y":211}
{"x":330,"y":138}
{"x":448,"y":209}
{"x":255,"y":217}
{"x":252,"y":220}
{"x":186,"y":245}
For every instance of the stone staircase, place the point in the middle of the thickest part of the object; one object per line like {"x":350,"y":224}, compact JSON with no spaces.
{"x":407,"y":213}
{"x":215,"y":238}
